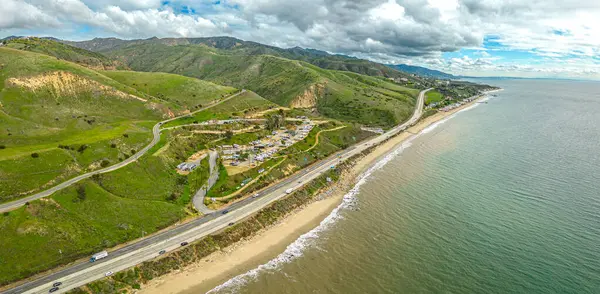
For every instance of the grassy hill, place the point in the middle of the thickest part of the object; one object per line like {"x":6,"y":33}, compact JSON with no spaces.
{"x":63,"y":51}
{"x":59,"y":119}
{"x":235,"y":46}
{"x":337,"y":94}
{"x":189,"y":93}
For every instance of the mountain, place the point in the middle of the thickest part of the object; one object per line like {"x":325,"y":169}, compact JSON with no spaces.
{"x":319,"y":58}
{"x":331,"y":85}
{"x":62,"y":51}
{"x":423,"y":71}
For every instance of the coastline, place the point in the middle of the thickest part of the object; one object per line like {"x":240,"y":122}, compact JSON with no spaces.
{"x":246,"y":255}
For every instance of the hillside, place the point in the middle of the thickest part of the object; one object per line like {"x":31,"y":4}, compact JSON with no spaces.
{"x":235,"y":46}
{"x":423,"y":71}
{"x":62,"y":51}
{"x":59,"y":119}
{"x":336,"y":94}
{"x":188,"y":93}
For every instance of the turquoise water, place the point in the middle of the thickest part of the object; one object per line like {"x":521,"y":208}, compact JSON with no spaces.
{"x":502,"y":198}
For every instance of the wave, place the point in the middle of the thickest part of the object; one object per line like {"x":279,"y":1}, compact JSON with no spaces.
{"x":297,"y":248}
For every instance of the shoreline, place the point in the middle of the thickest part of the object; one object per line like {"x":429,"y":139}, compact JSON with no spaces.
{"x":267,"y":244}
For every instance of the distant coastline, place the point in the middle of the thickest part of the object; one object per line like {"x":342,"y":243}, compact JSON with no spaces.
{"x":267,"y":244}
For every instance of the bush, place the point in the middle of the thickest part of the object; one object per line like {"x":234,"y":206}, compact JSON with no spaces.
{"x":35,"y":155}
{"x":113,"y":145}
{"x":126,"y":135}
{"x":81,"y":193}
{"x":2,"y":147}
{"x":82,"y":148}
{"x":104,"y":163}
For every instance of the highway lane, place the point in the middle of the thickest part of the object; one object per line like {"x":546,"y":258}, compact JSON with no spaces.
{"x":156,"y":137}
{"x":148,"y":248}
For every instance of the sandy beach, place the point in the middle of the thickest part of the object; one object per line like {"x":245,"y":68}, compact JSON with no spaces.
{"x":219,"y":267}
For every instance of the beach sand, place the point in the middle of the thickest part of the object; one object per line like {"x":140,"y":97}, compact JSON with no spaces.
{"x":219,"y":267}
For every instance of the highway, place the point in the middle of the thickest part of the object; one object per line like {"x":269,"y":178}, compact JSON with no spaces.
{"x":156,"y":137}
{"x":148,"y":248}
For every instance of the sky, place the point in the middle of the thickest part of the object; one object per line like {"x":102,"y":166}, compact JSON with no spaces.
{"x":522,"y":38}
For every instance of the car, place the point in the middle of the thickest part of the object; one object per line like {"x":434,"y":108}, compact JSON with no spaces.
{"x":184,"y":243}
{"x":255,"y":195}
{"x":56,"y":284}
{"x":225,"y":211}
{"x":162,"y":252}
{"x":299,"y":182}
{"x":231,"y":223}
{"x":108,"y":273}
{"x":53,"y":290}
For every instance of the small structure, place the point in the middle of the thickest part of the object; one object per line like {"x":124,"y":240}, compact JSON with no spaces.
{"x":187,"y":166}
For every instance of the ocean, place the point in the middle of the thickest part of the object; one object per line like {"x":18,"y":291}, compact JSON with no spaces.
{"x":503,"y":197}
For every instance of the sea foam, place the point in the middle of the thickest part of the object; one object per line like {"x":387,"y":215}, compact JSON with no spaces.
{"x":297,"y":248}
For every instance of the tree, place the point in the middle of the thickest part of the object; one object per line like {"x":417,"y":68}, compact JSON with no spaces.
{"x":104,"y":163}
{"x":81,"y":193}
{"x":228,"y":134}
{"x":35,"y":155}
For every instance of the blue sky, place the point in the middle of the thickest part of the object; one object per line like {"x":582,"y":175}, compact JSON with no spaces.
{"x":525,"y":38}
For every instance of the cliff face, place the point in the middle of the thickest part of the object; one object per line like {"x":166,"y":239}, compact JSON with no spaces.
{"x":308,"y":99}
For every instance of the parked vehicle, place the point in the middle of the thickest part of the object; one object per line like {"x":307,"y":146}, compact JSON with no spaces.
{"x":108,"y":274}
{"x":53,"y":290}
{"x":231,"y":224}
{"x":99,"y":255}
{"x":162,"y":252}
{"x":225,"y":211}
{"x":56,"y":284}
{"x":184,"y":243}
{"x":289,"y":191}
{"x":255,"y":195}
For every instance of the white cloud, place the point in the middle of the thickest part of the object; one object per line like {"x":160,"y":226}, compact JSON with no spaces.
{"x":20,"y":14}
{"x":415,"y":31}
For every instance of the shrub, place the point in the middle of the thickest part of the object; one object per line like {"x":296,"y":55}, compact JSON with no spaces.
{"x":35,"y":155}
{"x":82,"y":148}
{"x":2,"y":147}
{"x":104,"y":163}
{"x":81,"y":193}
{"x":126,"y":135}
{"x":113,"y":145}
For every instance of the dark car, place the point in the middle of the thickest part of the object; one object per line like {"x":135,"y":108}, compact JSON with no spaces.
{"x":184,"y":243}
{"x":225,"y":211}
{"x":231,"y":224}
{"x":163,"y":251}
{"x":53,"y":289}
{"x":56,"y":284}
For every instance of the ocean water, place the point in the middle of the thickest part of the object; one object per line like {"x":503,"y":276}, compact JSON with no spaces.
{"x":501,"y":198}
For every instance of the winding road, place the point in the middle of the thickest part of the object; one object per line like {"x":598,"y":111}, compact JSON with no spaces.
{"x":148,"y":248}
{"x":156,"y":137}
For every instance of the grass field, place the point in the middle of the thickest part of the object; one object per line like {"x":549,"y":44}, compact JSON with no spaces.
{"x":71,"y":117}
{"x":113,"y":208}
{"x":433,"y":96}
{"x":67,"y":225}
{"x":243,"y":104}
{"x":189,"y":93}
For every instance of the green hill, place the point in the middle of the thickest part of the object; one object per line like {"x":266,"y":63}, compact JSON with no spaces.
{"x":59,"y":119}
{"x":63,"y":51}
{"x":189,"y":93}
{"x":235,"y":46}
{"x":336,"y":94}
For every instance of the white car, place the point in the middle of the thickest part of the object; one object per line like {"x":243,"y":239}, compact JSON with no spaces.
{"x":108,"y":273}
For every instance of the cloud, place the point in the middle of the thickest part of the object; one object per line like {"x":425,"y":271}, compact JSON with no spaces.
{"x":395,"y":31}
{"x":20,"y":14}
